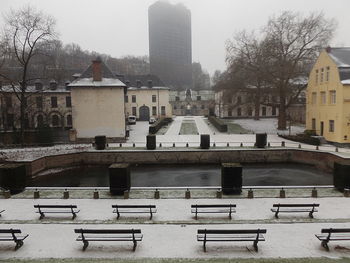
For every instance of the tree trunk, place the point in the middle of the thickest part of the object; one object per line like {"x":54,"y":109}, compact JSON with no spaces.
{"x":282,"y":121}
{"x":257,"y":108}
{"x":22,"y":118}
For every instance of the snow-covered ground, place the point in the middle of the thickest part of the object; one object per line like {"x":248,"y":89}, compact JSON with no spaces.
{"x":174,"y":233}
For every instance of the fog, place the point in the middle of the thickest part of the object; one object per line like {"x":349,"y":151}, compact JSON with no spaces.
{"x":120,"y":27}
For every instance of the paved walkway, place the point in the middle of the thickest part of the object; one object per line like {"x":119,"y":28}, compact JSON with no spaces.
{"x":54,"y":237}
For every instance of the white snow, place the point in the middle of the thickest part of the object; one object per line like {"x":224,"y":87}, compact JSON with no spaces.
{"x":346,"y":81}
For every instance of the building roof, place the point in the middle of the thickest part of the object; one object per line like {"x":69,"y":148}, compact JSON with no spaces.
{"x":32,"y":89}
{"x":109,"y":79}
{"x":131,"y":80}
{"x":341,"y":57}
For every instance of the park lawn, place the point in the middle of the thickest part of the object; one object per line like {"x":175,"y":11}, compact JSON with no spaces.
{"x":234,"y":128}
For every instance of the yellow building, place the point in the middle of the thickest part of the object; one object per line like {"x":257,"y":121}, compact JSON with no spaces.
{"x":328,"y":96}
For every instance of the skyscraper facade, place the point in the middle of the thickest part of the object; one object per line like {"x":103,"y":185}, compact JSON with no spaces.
{"x":170,"y":45}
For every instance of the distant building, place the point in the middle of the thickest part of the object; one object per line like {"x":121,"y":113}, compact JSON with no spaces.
{"x":328,"y":95}
{"x":192,"y":102}
{"x":170,"y":47}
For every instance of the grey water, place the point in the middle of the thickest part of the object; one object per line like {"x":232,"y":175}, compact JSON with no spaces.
{"x":189,"y":175}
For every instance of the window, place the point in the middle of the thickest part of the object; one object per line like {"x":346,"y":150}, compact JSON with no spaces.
{"x":154,"y":110}
{"x":250,"y":111}
{"x":239,"y":112}
{"x":263,"y":111}
{"x":323,"y":97}
{"x":40,"y":121}
{"x":229,"y":113}
{"x":8,"y":102}
{"x":273,"y":110}
{"x":133,"y":98}
{"x":316,"y":76}
{"x":327,"y":74}
{"x":331,"y":126}
{"x":53,"y":102}
{"x":162,"y":110}
{"x":55,"y":120}
{"x":239,"y":99}
{"x":154,"y":98}
{"x":202,"y":107}
{"x":314,"y":98}
{"x":182,"y":107}
{"x":177,"y":98}
{"x":69,"y":120}
{"x":322,"y":73}
{"x":126,"y":99}
{"x":68,"y":102}
{"x":134,"y":111}
{"x":26,"y":121}
{"x":175,"y":107}
{"x":332,"y":97}
{"x":313,"y":124}
{"x":39,"y":102}
{"x":199,"y":98}
{"x":10,"y":120}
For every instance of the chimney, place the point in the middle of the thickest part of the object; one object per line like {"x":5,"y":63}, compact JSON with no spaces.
{"x":150,"y":83}
{"x":328,"y":49}
{"x":66,"y":85}
{"x":53,"y":85}
{"x":96,"y":69}
{"x":127,"y":83}
{"x":138,"y":83}
{"x":38,"y":85}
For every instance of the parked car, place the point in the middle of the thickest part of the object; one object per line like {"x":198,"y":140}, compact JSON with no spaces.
{"x":152,"y":120}
{"x":131,"y":119}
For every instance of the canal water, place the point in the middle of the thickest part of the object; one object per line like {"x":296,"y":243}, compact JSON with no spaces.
{"x":188,"y":175}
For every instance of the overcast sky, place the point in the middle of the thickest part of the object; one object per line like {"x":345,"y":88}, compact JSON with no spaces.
{"x":120,"y":27}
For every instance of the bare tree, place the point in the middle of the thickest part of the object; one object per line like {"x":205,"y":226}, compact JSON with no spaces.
{"x":25,"y":30}
{"x":293,"y":43}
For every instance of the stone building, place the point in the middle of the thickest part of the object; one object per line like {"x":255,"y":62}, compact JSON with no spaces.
{"x":192,"y":102}
{"x":328,"y":95}
{"x":47,"y":104}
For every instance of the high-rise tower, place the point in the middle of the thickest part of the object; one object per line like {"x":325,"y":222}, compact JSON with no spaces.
{"x":170,"y":45}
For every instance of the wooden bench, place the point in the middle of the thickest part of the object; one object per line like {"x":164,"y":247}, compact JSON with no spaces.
{"x":87,"y":235}
{"x":1,"y":211}
{"x":58,"y":209}
{"x":11,"y":235}
{"x":230,"y":235}
{"x":134,"y":209}
{"x":223,"y":208}
{"x":295,"y":208}
{"x":333,"y":234}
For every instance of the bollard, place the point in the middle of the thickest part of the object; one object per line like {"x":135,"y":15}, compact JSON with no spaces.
{"x":336,"y":149}
{"x":96,"y":194}
{"x":283,"y":144}
{"x":160,"y":145}
{"x":228,"y":145}
{"x":241,"y":144}
{"x":346,"y":192}
{"x":282,"y":193}
{"x":126,"y":194}
{"x":120,"y":145}
{"x":317,"y":148}
{"x":36,"y":194}
{"x":187,"y":194}
{"x":214,"y":145}
{"x":269,"y":145}
{"x":133,"y":145}
{"x":187,"y":144}
{"x":299,"y":146}
{"x":250,"y":193}
{"x":7,"y":194}
{"x":173,"y":144}
{"x":314,"y":193}
{"x":65,"y":194}
{"x":219,"y":193}
{"x":156,"y":194}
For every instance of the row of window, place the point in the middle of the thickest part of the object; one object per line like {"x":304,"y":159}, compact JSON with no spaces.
{"x":54,"y":120}
{"x":133,"y":98}
{"x":320,"y":75}
{"x":331,"y":126}
{"x":154,"y":110}
{"x":39,"y":102}
{"x":250,"y":112}
{"x":323,"y":97}
{"x":177,"y":98}
{"x":193,"y":107}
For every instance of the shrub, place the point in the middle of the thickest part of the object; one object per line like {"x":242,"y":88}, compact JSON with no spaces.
{"x":219,"y":124}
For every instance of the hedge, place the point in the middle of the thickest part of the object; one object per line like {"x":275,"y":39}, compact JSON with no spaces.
{"x":155,"y":127}
{"x":219,"y":124}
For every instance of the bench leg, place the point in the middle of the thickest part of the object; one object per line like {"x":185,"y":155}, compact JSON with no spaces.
{"x":276,"y":214}
{"x":19,"y":243}
{"x":204,"y":247}
{"x":150,"y":218}
{"x":230,"y":215}
{"x":118,"y":215}
{"x":74,"y":216}
{"x":42,"y":215}
{"x":324,"y":244}
{"x":135,"y":245}
{"x":256,"y":246}
{"x":311,"y":215}
{"x":86,"y":244}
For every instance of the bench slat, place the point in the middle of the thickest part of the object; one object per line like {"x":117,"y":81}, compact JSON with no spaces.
{"x":209,"y":206}
{"x":133,"y":206}
{"x":55,"y":206}
{"x":9,"y":231}
{"x":293,"y":210}
{"x":57,"y":212}
{"x":231,"y":231}
{"x":212,"y":211}
{"x":335,"y":230}
{"x":296,"y":205}
{"x":107,"y":231}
